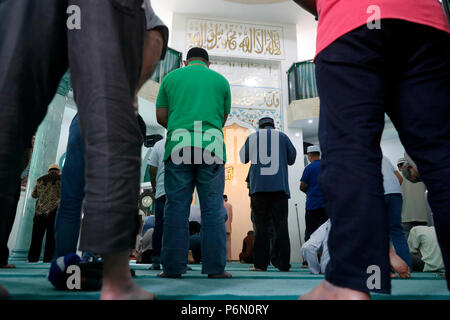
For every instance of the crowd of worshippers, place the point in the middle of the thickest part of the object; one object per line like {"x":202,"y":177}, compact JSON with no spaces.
{"x":414,"y":244}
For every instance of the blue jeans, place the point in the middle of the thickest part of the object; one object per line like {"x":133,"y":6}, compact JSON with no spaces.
{"x":394,"y":204}
{"x":68,"y":216}
{"x":179,"y":182}
{"x":158,"y":231}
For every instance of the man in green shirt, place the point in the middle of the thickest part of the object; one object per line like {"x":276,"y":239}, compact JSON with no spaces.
{"x":193,"y":104}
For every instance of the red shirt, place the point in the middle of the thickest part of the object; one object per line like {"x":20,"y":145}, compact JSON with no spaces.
{"x":338,"y":17}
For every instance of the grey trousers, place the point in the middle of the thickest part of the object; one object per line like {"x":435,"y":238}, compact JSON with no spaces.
{"x":104,"y":57}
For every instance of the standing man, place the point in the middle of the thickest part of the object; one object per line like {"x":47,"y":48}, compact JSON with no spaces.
{"x":371,"y":59}
{"x":193,"y":104}
{"x":102,"y":42}
{"x":269,"y":190}
{"x":414,"y":207}
{"x":315,"y":215}
{"x":156,"y":162}
{"x":46,"y":192}
{"x":229,"y":209}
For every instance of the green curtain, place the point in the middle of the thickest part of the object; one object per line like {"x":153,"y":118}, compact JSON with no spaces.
{"x":302,"y":81}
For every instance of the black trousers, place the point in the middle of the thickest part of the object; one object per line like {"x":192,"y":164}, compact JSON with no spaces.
{"x":105,"y":57}
{"x":402,"y":69}
{"x":269,"y":206}
{"x":5,"y":233}
{"x":313,"y":220}
{"x":42,"y":225}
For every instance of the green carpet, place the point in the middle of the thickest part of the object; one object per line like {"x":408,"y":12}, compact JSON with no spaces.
{"x":29,"y":281}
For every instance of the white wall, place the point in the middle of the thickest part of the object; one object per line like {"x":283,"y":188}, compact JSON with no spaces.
{"x":296,"y":215}
{"x":165,"y":15}
{"x":306,"y":38}
{"x":392,"y":149}
{"x":390,"y":145}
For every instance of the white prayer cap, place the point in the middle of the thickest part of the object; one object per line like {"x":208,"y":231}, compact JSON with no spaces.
{"x":401,"y":160}
{"x":313,"y":149}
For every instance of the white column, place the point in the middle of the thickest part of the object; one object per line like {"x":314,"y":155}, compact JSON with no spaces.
{"x":296,"y":216}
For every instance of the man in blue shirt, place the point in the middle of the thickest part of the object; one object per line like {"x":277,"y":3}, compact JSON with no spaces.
{"x":315,"y":214}
{"x":270,"y":152}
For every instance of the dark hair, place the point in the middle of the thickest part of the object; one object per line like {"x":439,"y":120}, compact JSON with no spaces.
{"x":198,"y":53}
{"x":225,"y":196}
{"x":250,"y":232}
{"x":314,"y":154}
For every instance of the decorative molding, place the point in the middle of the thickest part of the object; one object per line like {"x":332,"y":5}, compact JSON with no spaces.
{"x":227,"y":38}
{"x":303,"y":110}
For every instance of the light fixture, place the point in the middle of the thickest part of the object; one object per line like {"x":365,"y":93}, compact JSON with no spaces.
{"x":297,"y":134}
{"x":310,"y":121}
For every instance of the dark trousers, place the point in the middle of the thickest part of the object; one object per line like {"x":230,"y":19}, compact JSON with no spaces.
{"x":267,"y":206}
{"x":407,"y":226}
{"x":68,"y":215}
{"x":105,"y":57}
{"x":195,"y":245}
{"x":394,"y":202}
{"x":159,"y":226}
{"x":313,"y":220}
{"x":5,"y":233}
{"x":273,"y":250}
{"x":43,"y":225}
{"x":402,"y":69}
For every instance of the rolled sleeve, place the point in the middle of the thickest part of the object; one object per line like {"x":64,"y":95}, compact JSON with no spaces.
{"x":155,"y":23}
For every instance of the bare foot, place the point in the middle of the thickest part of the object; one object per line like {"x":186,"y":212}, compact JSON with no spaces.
{"x":3,"y":293}
{"x":256,"y":269}
{"x":117,"y":281}
{"x":130,"y":292}
{"x":399,"y":265}
{"x":328,"y":291}
{"x":8,"y":266}
{"x":224,"y":275}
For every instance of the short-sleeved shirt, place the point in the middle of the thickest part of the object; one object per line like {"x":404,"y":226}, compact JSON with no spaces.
{"x":390,"y":181}
{"x":338,"y":17}
{"x":414,"y":202}
{"x":424,"y":240}
{"x":157,"y":160}
{"x":198,"y":99}
{"x":154,"y":22}
{"x":310,"y":176}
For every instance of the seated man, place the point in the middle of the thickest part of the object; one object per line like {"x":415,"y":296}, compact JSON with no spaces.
{"x":146,"y":246}
{"x":425,"y":251}
{"x":195,"y":242}
{"x":318,"y":240}
{"x":246,"y":256}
